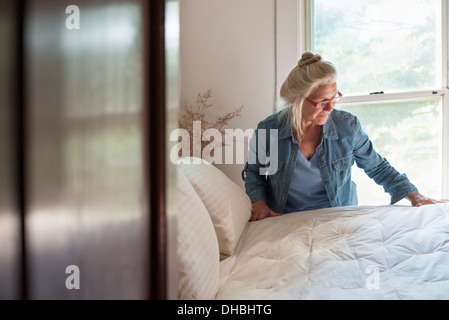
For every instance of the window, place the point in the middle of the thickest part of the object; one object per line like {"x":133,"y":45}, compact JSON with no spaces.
{"x":408,"y":133}
{"x":391,"y":58}
{"x":380,"y":45}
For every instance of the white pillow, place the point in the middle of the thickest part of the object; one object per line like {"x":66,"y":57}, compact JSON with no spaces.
{"x":198,"y":254}
{"x":228,"y":205}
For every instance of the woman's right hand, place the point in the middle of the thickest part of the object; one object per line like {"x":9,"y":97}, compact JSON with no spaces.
{"x":261,"y":211}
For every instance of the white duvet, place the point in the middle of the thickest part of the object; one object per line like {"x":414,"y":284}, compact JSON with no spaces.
{"x":388,"y":252}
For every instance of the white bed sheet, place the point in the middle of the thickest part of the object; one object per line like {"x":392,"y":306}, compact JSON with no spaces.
{"x":386,"y":252}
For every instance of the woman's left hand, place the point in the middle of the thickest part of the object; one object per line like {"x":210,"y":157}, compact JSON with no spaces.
{"x":419,"y":200}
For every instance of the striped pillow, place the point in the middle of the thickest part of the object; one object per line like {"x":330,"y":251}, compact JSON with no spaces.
{"x":228,"y":205}
{"x":198,"y":255}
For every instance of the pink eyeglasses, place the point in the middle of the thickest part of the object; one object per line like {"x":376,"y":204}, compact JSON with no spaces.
{"x":332,"y":102}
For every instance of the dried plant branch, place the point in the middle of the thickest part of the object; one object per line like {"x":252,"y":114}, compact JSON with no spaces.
{"x":189,"y":114}
{"x":224,"y":120}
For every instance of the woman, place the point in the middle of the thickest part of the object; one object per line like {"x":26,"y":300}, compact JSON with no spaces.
{"x":316,"y":146}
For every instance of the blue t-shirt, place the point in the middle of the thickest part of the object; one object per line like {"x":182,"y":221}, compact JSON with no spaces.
{"x":307,"y":191}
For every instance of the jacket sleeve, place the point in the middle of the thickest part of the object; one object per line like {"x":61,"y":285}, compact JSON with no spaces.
{"x":255,"y":182}
{"x":378,"y":168}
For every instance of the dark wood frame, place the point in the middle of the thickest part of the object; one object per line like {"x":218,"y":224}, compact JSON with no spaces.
{"x":155,"y":148}
{"x":155,"y":143}
{"x":20,"y":145}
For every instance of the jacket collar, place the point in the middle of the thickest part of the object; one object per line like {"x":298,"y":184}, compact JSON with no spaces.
{"x":286,"y":128}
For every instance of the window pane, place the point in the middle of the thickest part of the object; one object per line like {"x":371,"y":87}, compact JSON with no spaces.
{"x":409,"y":135}
{"x":380,"y":45}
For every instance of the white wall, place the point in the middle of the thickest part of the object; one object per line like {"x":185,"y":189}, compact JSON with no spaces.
{"x":229,"y":47}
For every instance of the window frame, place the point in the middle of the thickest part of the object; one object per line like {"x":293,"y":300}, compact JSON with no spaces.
{"x":301,"y":41}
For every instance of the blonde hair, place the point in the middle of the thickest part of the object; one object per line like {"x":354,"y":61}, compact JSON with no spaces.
{"x":310,"y":73}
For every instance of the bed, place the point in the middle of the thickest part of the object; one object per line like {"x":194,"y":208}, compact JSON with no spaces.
{"x":356,"y":253}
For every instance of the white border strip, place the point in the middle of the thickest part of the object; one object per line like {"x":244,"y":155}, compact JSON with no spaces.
{"x":445,"y":84}
{"x":404,"y":95}
{"x":445,"y":43}
{"x":445,"y":151}
{"x":305,"y":33}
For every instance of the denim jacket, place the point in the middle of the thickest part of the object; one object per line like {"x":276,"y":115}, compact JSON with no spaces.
{"x":343,"y":143}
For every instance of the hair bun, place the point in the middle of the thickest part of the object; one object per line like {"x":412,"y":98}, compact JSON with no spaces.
{"x":308,"y":58}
